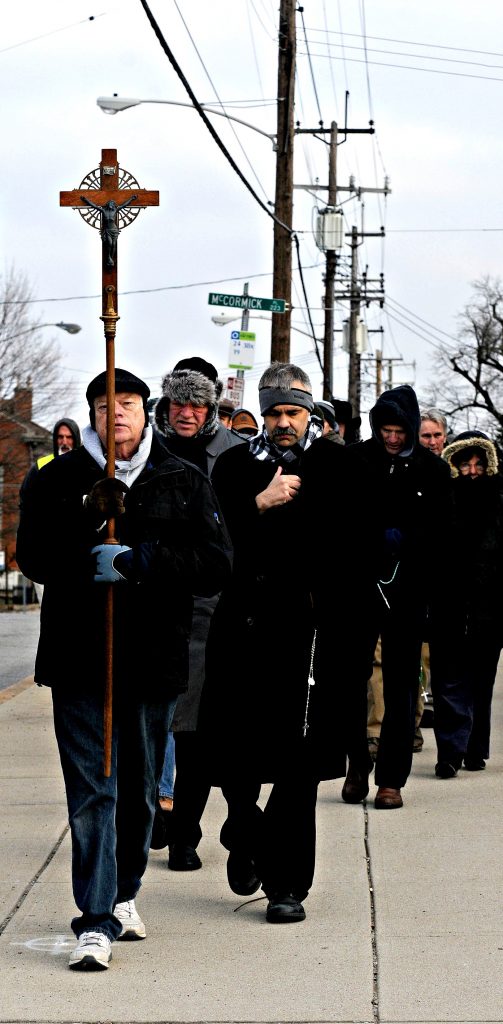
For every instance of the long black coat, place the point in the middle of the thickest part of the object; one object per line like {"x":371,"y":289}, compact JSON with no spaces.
{"x":170,"y":503}
{"x":476,"y":547}
{"x":255,"y":697}
{"x":341,"y":543}
{"x":203,"y":452}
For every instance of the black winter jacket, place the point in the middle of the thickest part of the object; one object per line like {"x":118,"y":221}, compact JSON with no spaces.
{"x":409,"y":501}
{"x":170,"y":504}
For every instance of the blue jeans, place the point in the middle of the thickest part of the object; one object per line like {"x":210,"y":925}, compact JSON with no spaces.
{"x":168,"y":772}
{"x":110,"y":818}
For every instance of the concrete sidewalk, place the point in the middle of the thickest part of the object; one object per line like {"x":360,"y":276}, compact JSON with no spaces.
{"x":404,"y":922}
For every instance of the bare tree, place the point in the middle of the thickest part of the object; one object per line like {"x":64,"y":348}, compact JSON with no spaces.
{"x":469,"y":373}
{"x":31,"y":389}
{"x":27,"y":355}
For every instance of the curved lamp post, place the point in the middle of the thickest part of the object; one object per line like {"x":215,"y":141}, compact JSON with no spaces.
{"x":69,"y":328}
{"x":114,"y":104}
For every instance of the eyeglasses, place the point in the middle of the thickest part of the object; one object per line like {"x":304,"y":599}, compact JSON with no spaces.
{"x":465,"y":467}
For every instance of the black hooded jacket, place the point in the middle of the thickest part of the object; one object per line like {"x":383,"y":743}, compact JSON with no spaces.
{"x":409,"y":504}
{"x":74,"y":430}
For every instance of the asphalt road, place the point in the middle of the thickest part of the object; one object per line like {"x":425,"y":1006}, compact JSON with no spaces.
{"x":18,"y":645}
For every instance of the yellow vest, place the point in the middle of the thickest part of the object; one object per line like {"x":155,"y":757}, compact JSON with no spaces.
{"x":43,"y":460}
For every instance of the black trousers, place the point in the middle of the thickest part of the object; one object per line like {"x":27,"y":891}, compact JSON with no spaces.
{"x":191,"y":790}
{"x":281,"y":839}
{"x":401,"y":628}
{"x":463,"y":670}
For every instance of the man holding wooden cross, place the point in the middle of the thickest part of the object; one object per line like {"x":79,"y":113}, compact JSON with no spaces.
{"x":171,"y":543}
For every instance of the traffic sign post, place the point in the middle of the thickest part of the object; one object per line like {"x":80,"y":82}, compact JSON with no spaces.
{"x":246,"y":302}
{"x":235,"y":390}
{"x":242,"y":350}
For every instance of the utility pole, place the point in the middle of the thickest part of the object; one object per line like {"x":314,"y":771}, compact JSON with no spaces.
{"x":354,"y":371}
{"x":358,"y":290}
{"x":283,"y":206}
{"x":245,"y":320}
{"x":331,"y":255}
{"x":330,"y":268}
{"x":378,"y":372}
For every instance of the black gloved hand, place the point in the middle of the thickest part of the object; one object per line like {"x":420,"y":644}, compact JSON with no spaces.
{"x":106,"y":499}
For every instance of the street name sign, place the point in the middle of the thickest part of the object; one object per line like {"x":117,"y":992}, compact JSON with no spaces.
{"x":246,"y":302}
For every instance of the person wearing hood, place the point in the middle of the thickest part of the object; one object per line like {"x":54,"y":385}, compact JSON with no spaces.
{"x":409,"y":489}
{"x":65,"y":437}
{"x":171,"y":543}
{"x":189,"y":424}
{"x":464,"y":664}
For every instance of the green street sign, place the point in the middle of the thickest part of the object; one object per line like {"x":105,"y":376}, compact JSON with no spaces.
{"x":246,"y":302}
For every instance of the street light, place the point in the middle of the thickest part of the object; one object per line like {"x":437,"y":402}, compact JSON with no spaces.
{"x":69,"y":328}
{"x":114,"y":104}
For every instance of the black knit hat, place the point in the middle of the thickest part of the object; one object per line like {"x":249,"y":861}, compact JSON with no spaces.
{"x":124,"y":381}
{"x":199,"y":365}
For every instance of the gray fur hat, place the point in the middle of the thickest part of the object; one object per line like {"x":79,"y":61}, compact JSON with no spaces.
{"x":191,"y":380}
{"x":468,"y":442}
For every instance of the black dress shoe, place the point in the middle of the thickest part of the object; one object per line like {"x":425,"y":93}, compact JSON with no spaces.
{"x":241,"y":874}
{"x":474,"y":764}
{"x":356,"y":786}
{"x":445,"y":770}
{"x":183,"y":858}
{"x":284,"y":908}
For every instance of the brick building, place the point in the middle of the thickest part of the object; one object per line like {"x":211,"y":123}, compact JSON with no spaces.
{"x":21,"y":442}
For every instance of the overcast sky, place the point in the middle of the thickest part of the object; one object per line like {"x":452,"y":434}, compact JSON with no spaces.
{"x":433,"y":84}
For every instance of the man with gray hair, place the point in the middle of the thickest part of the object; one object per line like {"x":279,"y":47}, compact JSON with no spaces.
{"x":433,"y":430}
{"x":257,"y":696}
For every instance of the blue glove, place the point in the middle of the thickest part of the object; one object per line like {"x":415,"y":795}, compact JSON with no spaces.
{"x":105,"y":557}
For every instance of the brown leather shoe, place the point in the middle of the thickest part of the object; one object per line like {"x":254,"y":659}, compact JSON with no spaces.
{"x":356,"y":786}
{"x":387,"y":799}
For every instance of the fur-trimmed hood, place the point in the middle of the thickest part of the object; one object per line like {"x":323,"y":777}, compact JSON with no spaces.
{"x":183,"y":386}
{"x":470,"y":440}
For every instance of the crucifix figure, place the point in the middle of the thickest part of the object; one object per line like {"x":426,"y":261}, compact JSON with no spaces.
{"x":111,"y":197}
{"x":109,"y":228}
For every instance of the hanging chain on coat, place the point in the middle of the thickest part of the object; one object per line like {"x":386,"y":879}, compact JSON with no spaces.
{"x":310,"y":683}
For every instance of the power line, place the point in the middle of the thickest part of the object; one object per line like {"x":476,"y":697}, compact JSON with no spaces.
{"x":213,"y":86}
{"x":306,"y":300}
{"x":332,"y":76}
{"x":408,"y":67}
{"x":401,"y":53}
{"x":412,"y":330}
{"x":311,"y":68}
{"x":416,"y":317}
{"x":259,"y":19}
{"x":207,"y":122}
{"x":411,"y":42}
{"x":147,"y":291}
{"x":64,"y":28}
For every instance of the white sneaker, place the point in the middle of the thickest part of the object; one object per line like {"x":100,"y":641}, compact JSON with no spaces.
{"x":132,"y":924}
{"x":93,"y":952}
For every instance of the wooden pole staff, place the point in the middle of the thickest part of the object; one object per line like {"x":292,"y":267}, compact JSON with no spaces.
{"x":105,"y":200}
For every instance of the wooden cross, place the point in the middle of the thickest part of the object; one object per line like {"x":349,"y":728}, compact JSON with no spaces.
{"x":108,"y":200}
